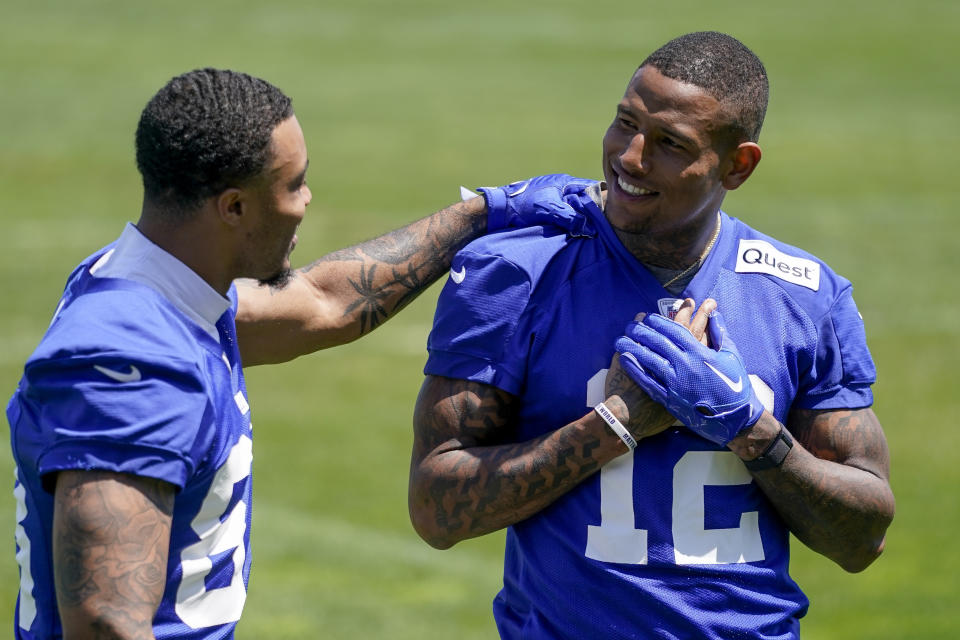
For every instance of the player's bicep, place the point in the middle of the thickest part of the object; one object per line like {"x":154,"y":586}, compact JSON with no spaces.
{"x":454,"y":414}
{"x":111,"y":533}
{"x":852,"y":437}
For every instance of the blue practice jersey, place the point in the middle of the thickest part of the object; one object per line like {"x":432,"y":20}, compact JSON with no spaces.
{"x":125,"y":381}
{"x":674,"y":540}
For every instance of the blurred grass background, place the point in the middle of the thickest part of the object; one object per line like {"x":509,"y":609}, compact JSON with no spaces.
{"x":401,"y":102}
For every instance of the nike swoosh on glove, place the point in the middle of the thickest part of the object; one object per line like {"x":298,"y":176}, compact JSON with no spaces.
{"x":706,"y":389}
{"x":542,"y":201}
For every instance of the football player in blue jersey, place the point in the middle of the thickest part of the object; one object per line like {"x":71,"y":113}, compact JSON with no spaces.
{"x":650,"y":471}
{"x":130,"y":427}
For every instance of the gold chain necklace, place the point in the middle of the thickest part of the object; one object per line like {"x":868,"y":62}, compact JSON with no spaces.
{"x":698,"y":261}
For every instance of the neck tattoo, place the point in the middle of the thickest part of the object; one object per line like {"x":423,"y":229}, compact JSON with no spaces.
{"x":701,"y":258}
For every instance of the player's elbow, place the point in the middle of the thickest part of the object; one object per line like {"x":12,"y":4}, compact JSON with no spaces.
{"x":860,"y":559}
{"x":428,"y":522}
{"x":873,"y":534}
{"x":855,"y":563}
{"x":434,"y":535}
{"x":435,"y":539}
{"x":94,"y":619}
{"x":860,"y":556}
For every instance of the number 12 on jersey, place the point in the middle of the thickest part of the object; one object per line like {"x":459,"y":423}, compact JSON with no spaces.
{"x":617,"y":539}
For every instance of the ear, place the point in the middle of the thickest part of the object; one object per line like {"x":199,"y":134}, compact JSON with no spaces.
{"x":231,"y":206}
{"x":743,"y":160}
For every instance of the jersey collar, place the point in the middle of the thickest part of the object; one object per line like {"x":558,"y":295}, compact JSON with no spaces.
{"x":134,"y":257}
{"x":699,"y":284}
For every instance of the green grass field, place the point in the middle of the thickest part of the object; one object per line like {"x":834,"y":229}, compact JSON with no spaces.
{"x":401,"y":102}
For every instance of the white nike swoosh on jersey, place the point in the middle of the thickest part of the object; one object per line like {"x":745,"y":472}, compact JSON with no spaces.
{"x":132,"y":376}
{"x":458,"y":276}
{"x":736,"y":387}
{"x":520,"y":190}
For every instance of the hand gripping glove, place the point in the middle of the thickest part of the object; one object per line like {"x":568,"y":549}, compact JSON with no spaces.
{"x":706,"y":389}
{"x":542,"y":201}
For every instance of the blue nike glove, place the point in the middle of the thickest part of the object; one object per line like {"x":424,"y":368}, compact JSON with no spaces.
{"x":706,"y":389}
{"x":541,"y":201}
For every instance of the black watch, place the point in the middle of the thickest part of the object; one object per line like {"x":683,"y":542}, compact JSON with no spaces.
{"x":774,"y":455}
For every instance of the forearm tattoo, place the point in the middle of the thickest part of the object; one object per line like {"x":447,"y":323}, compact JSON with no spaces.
{"x":838,"y":500}
{"x":646,"y":416}
{"x":110,"y":550}
{"x":392,"y":270}
{"x":468,"y":480}
{"x":371,"y":298}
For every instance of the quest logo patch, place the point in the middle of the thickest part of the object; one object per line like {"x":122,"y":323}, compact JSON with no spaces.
{"x":757,"y":256}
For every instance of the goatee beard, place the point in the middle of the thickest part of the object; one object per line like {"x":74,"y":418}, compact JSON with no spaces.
{"x":279,"y":280}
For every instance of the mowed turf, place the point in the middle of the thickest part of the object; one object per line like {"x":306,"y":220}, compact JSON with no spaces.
{"x":401,"y":102}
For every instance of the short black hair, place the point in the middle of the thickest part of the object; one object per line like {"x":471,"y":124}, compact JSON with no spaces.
{"x":203,"y":132}
{"x":725,"y":68}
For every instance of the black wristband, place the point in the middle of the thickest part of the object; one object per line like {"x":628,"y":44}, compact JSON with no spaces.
{"x":773,"y":455}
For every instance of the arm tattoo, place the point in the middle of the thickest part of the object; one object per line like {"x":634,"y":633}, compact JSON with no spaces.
{"x":111,"y":535}
{"x":854,"y":438}
{"x":348,"y":293}
{"x":387,"y":273}
{"x":468,"y":478}
{"x":833,"y":491}
{"x":646,"y":416}
{"x":371,"y":298}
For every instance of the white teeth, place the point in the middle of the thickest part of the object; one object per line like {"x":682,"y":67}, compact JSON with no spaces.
{"x":632,"y":190}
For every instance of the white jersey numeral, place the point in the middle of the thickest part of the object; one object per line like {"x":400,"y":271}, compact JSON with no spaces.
{"x":692,"y":542}
{"x":196,"y":605}
{"x":28,"y":606}
{"x":618,"y":540}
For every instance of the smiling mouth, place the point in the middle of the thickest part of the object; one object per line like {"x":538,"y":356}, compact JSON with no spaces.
{"x":629,"y":189}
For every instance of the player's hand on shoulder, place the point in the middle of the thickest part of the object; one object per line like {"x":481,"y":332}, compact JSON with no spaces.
{"x":706,"y":388}
{"x":548,"y":200}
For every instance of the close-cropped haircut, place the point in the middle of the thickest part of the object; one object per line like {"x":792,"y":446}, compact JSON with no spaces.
{"x":203,"y":132}
{"x":725,"y":68}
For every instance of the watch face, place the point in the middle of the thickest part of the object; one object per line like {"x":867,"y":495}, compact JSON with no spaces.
{"x":775,"y":454}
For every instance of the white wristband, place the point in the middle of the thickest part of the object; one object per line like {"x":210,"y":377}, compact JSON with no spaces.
{"x":616,"y":425}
